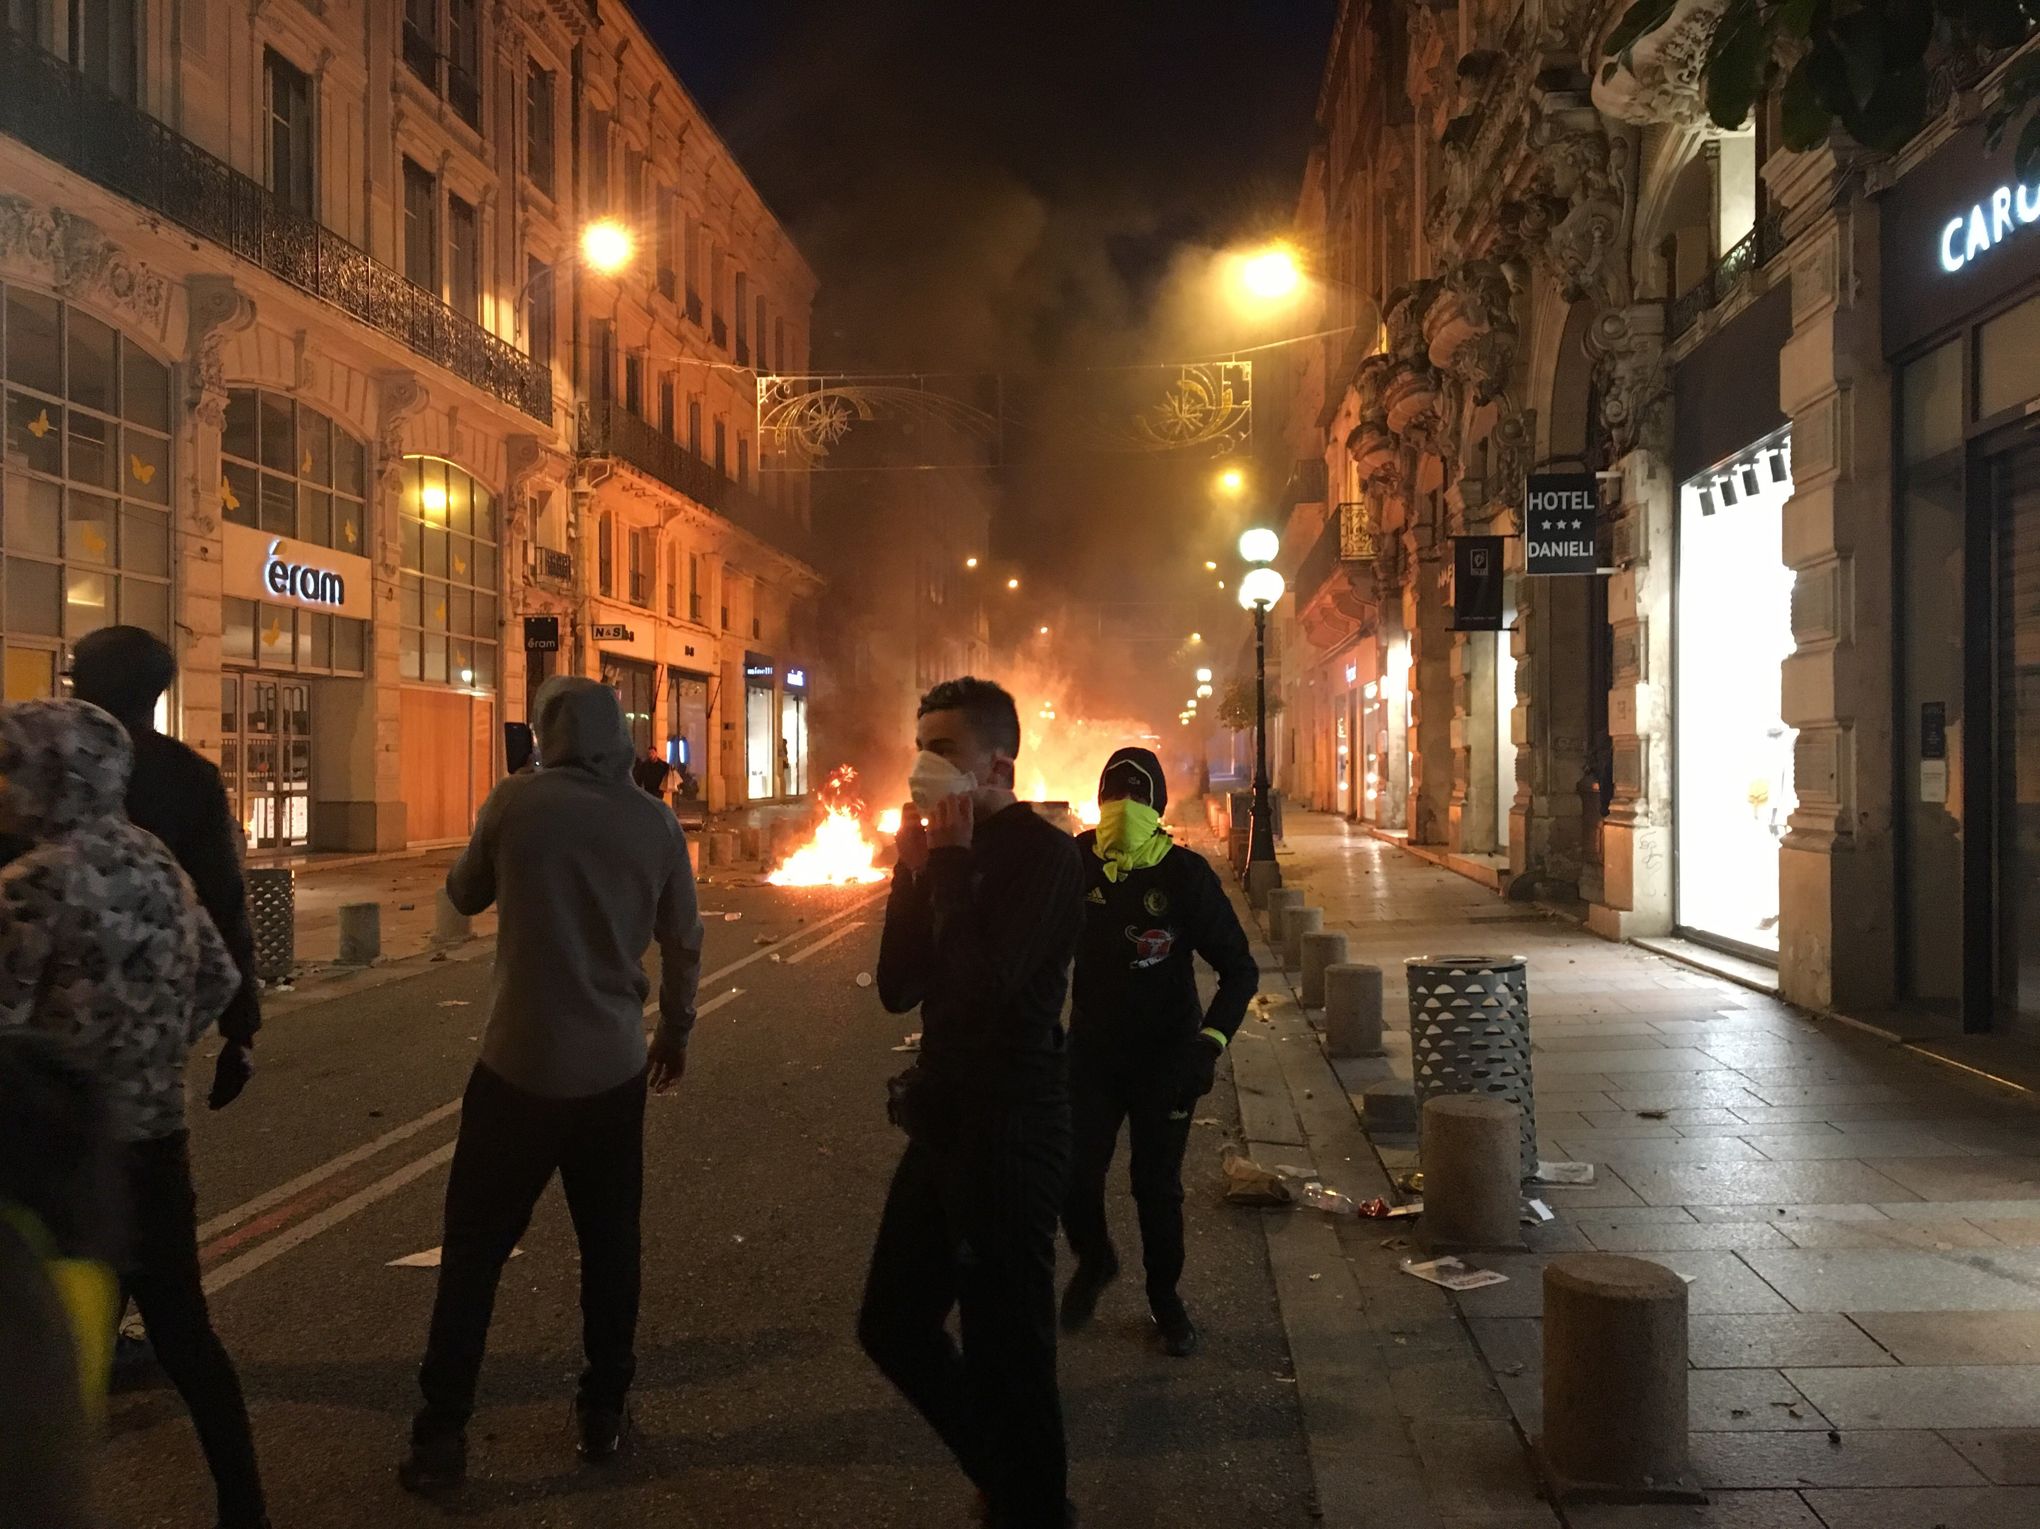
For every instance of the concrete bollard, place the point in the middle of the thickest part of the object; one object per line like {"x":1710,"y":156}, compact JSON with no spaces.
{"x":1353,"y":1010}
{"x":1473,"y":1195}
{"x":1327,"y":947}
{"x":1297,"y":923}
{"x":360,"y":933}
{"x":753,"y":842}
{"x":1280,"y":901}
{"x":1615,"y":1417}
{"x":449,"y":925}
{"x":722,"y":847}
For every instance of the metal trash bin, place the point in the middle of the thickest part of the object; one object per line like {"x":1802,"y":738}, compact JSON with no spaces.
{"x":1470,"y":1034}
{"x":272,"y":911}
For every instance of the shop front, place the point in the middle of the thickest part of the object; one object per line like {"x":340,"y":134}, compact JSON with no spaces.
{"x":297,"y":597}
{"x":1732,"y":754}
{"x":1961,"y":318}
{"x":793,"y":732}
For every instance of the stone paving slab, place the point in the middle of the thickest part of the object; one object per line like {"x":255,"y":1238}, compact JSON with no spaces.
{"x":1814,"y":1146}
{"x":1927,"y":1396}
{"x":1727,"y":1510}
{"x":1693,"y":1236}
{"x":1954,"y":1337}
{"x":1854,"y":1280}
{"x":1885,"y":1458}
{"x":1976,"y":1178}
{"x":1749,"y":1401}
{"x":1980,"y":1508}
{"x":1787,"y":1339}
{"x":2008,"y":1456}
{"x":1628,"y":1151}
{"x":1757,"y":1183}
{"x":1930,"y":1236}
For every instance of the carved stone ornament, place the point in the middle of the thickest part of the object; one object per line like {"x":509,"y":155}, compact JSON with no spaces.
{"x":1470,"y":327}
{"x":1627,"y":349}
{"x":1661,"y":84}
{"x":1432,"y":81}
{"x":1514,"y":448}
{"x":70,"y":254}
{"x":1577,"y":219}
{"x":215,"y":308}
{"x":402,"y":395}
{"x":1375,"y":452}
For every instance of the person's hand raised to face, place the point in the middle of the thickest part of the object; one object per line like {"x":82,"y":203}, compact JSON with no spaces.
{"x":952,"y":821}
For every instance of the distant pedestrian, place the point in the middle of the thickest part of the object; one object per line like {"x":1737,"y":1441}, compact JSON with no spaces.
{"x":520,"y":748}
{"x":105,"y":948}
{"x":979,"y":931}
{"x":1143,"y":1050}
{"x":586,"y":872}
{"x":650,"y":774}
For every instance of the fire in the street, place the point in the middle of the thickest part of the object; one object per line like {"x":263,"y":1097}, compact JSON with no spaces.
{"x":889,"y":821}
{"x":839,"y":854}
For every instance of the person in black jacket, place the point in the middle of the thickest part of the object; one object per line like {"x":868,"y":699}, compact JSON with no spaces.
{"x":979,"y":932}
{"x":1142,"y":1049}
{"x":175,"y":793}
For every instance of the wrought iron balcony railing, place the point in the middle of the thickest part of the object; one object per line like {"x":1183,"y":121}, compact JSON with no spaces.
{"x":615,"y":431}
{"x":1747,"y":254}
{"x":1357,"y":542}
{"x":551,"y":566}
{"x":58,"y":112}
{"x":1347,"y":539}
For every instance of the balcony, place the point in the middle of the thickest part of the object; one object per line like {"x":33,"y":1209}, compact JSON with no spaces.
{"x":549,"y":566}
{"x":1335,"y":590}
{"x":614,"y":431}
{"x":1751,"y":252}
{"x":56,"y":111}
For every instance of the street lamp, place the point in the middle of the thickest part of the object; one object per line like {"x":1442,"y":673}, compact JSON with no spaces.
{"x":1204,"y":691}
{"x":1012,"y":583}
{"x":1267,"y":276}
{"x":1231,"y":482}
{"x":1260,"y":589}
{"x":1259,"y":545}
{"x":1203,"y":676}
{"x":606,"y":246}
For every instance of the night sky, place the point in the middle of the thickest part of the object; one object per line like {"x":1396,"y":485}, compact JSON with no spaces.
{"x":1029,"y":187}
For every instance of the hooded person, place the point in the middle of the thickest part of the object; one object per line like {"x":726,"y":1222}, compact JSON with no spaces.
{"x":585,"y":872}
{"x":1143,"y":1050}
{"x":105,"y":950}
{"x":176,"y":794}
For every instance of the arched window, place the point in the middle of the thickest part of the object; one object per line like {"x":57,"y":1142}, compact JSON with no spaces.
{"x":84,"y":499}
{"x":448,"y":608}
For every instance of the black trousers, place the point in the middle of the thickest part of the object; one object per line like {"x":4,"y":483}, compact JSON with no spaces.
{"x":161,"y":1274}
{"x":969,"y":1224}
{"x":510,"y":1145}
{"x":1105,"y":1091}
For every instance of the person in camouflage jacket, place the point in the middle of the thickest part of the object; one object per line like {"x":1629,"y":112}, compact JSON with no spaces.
{"x":105,"y":949}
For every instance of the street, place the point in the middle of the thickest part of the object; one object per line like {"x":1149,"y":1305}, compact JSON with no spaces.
{"x":766,"y":1170}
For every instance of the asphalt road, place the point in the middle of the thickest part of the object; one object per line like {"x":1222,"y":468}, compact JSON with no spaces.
{"x":765,"y":1174}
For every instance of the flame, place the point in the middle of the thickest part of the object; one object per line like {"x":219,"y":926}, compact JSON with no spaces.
{"x":889,"y":821}
{"x":837,"y":856}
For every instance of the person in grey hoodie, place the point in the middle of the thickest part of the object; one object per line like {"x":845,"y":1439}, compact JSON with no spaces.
{"x":585,"y":871}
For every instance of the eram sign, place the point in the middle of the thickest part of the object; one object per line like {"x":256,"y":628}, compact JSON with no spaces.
{"x":1559,"y":515}
{"x":301,"y":581}
{"x":1970,"y":235}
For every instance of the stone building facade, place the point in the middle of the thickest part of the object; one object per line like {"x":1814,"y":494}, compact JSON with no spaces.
{"x":295,"y":345}
{"x":1535,"y":265}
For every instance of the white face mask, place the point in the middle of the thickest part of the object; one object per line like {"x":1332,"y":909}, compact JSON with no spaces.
{"x":932,"y":778}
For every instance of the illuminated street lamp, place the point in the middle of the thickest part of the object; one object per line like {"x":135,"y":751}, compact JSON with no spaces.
{"x":1267,"y":276}
{"x":1204,"y":691}
{"x":1044,"y":631}
{"x":1203,"y":676}
{"x":1197,"y":637}
{"x":606,"y":246}
{"x":1210,"y":566}
{"x":1012,"y":583}
{"x":1259,"y":590}
{"x":1259,"y":545}
{"x":1231,"y":482}
{"x":970,"y":562}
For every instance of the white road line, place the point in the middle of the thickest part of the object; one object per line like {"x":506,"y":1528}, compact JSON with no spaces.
{"x":227,"y":1220}
{"x":331,"y":1216}
{"x":824,"y":942}
{"x":779,"y":949}
{"x":717,"y":1002}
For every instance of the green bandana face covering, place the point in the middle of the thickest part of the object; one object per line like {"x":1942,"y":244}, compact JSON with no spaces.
{"x":1130,"y":837}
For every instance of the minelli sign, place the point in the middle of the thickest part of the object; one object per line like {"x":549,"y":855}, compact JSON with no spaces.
{"x":279,"y":571}
{"x":1559,"y":515}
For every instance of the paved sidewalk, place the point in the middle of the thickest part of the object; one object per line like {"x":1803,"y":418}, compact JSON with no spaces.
{"x":1861,"y":1227}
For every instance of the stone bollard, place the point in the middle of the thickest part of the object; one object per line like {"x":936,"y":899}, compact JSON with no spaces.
{"x":722,"y":847}
{"x":1325,"y":948}
{"x":1614,"y":1380}
{"x":1473,"y":1194}
{"x":360,"y":933}
{"x":1280,"y":901}
{"x":753,"y":842}
{"x":1297,"y":923}
{"x":1353,"y":1010}
{"x":449,"y":925}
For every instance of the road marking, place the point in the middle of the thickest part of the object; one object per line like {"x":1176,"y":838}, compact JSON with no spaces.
{"x":824,"y":942}
{"x":778,"y":949}
{"x":256,"y":1257}
{"x":333,"y":1215}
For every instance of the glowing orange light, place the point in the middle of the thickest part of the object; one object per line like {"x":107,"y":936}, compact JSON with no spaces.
{"x":837,"y":856}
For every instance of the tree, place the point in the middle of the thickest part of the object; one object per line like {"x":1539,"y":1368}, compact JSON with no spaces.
{"x":1861,"y":63}
{"x":1235,"y":709}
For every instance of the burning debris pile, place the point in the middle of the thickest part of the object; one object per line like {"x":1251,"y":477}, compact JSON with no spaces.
{"x":839,"y":854}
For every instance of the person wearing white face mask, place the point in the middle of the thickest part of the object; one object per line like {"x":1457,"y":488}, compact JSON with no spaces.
{"x":980,"y":929}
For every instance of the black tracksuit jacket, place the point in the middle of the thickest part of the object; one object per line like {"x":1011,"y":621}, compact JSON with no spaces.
{"x":1136,"y":975}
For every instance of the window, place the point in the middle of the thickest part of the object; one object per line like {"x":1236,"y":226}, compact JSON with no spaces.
{"x":447,"y":601}
{"x":634,"y":384}
{"x":644,"y":553}
{"x":634,"y":189}
{"x":598,"y":163}
{"x":288,"y":470}
{"x":743,"y":318}
{"x":673,"y":581}
{"x":779,"y":346}
{"x":540,"y":109}
{"x":605,"y":555}
{"x":290,"y":134}
{"x":668,"y":278}
{"x":103,"y":44}
{"x":758,"y":329}
{"x":666,"y":420}
{"x":743,"y":460}
{"x":463,"y":88}
{"x":421,"y":40}
{"x":691,"y":260}
{"x":693,"y":586}
{"x":421,"y":227}
{"x":722,"y":459}
{"x":85,"y":491}
{"x":757,"y":604}
{"x":602,"y":361}
{"x":463,"y":259}
{"x":539,"y":319}
{"x":694,"y":427}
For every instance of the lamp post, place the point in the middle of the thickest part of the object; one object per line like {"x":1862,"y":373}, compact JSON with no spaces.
{"x":1259,"y":590}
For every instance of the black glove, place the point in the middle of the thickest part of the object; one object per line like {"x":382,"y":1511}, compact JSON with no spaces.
{"x":231,"y":1073}
{"x":1196,"y":1071}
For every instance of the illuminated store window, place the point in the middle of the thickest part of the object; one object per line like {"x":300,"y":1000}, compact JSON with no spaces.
{"x":447,"y":606}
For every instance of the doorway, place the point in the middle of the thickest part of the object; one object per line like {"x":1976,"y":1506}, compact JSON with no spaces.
{"x":2013,"y":486}
{"x":266,"y":758}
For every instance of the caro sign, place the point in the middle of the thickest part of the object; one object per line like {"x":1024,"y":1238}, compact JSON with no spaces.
{"x":1970,"y":235}
{"x":1559,"y":515}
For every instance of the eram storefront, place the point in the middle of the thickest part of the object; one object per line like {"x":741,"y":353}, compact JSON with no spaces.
{"x":1959,"y":239}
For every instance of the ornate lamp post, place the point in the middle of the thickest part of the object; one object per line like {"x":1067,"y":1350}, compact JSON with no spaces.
{"x":1259,"y":590}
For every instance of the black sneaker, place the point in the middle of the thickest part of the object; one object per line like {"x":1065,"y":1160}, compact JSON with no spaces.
{"x":435,"y":1467}
{"x":603,"y":1432}
{"x":1080,"y":1295}
{"x":134,"y":1365}
{"x":1179,"y":1333}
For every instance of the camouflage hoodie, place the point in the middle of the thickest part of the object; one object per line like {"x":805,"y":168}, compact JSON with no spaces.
{"x":103,"y":943}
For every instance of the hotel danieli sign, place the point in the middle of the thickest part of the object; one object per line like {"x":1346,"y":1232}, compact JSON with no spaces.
{"x":1560,"y":511}
{"x":280,"y":571}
